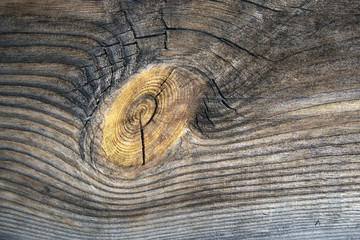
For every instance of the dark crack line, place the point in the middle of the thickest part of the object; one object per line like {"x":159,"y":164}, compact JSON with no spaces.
{"x":150,"y":36}
{"x":208,"y":118}
{"x":161,"y":88}
{"x":207,"y":114}
{"x":221,"y":39}
{"x":227,"y":105}
{"x":165,"y":25}
{"x":129,"y":22}
{"x":166,"y":40}
{"x":142,"y":140}
{"x":224,"y":100}
{"x":197,"y":122}
{"x":261,"y":6}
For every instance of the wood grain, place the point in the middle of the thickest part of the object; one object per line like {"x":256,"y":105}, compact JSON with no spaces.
{"x":271,"y":152}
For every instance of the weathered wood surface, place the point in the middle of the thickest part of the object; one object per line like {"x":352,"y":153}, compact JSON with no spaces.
{"x":272,"y":153}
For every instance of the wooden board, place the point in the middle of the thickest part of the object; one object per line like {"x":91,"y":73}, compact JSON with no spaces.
{"x":270,"y":148}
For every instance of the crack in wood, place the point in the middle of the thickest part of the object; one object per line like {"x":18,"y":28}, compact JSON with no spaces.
{"x":165,"y":25}
{"x":142,"y":140}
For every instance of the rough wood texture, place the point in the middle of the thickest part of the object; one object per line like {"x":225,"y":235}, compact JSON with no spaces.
{"x":271,"y":153}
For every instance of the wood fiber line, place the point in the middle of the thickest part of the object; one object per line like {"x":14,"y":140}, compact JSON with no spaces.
{"x":175,"y":184}
{"x":258,"y":138}
{"x":217,"y":210}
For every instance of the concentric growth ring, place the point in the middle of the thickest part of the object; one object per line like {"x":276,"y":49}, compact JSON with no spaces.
{"x":149,"y":114}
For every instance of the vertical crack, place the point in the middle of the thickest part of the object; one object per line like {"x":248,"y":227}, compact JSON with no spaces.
{"x":166,"y":40}
{"x":142,"y":140}
{"x":161,"y":88}
{"x":224,"y":100}
{"x":207,"y":114}
{"x":165,"y":25}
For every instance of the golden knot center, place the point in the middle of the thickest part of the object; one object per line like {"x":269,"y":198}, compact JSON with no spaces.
{"x":149,"y":114}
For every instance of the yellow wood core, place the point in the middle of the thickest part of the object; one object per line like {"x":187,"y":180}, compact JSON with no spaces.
{"x":149,"y":114}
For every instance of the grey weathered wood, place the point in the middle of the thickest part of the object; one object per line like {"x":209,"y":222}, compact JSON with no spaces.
{"x":273,"y":152}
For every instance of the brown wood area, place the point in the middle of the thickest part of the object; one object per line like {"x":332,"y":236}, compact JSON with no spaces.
{"x":267,"y":149}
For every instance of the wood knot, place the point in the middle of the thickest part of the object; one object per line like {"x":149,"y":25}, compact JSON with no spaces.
{"x":149,"y":114}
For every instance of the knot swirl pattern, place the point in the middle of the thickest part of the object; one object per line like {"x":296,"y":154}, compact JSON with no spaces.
{"x":149,"y":114}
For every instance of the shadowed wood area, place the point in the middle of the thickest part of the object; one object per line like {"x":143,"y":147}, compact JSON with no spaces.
{"x":248,"y":112}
